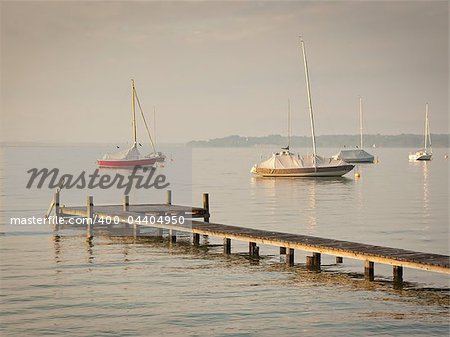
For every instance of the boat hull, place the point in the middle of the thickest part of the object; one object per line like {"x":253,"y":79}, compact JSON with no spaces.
{"x":423,"y":157}
{"x":126,"y":163}
{"x":327,"y":171}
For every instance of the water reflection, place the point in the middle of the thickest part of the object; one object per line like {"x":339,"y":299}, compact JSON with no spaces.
{"x":426,"y":201}
{"x":300,"y":200}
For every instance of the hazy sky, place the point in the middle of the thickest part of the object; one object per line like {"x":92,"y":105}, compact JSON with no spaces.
{"x":222,"y":68}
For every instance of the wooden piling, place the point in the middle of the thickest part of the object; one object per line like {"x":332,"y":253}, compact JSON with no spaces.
{"x":253,"y":250}
{"x":313,"y":262}
{"x":227,"y":246}
{"x":56,"y":205}
{"x":369,"y":270}
{"x":339,"y":259}
{"x":398,"y":276}
{"x":126,"y":203}
{"x":282,"y":250}
{"x":196,"y":239}
{"x":317,"y":259}
{"x":290,"y":257}
{"x":89,"y":217}
{"x":169,"y":197}
{"x":172,"y":236}
{"x":206,"y":206}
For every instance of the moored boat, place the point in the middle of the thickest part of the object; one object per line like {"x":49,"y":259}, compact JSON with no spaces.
{"x":357,"y":155}
{"x":131,"y":157}
{"x":426,"y":153}
{"x":287,"y":164}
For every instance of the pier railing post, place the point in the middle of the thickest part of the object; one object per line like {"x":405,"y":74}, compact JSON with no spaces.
{"x":56,"y":219}
{"x":369,"y":270}
{"x":89,"y":217}
{"x":290,"y":257}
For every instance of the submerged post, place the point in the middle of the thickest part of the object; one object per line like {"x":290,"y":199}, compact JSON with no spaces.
{"x":290,"y":257}
{"x":89,"y":217}
{"x":282,"y":250}
{"x":169,"y":197}
{"x":56,"y":202}
{"x":369,"y":270}
{"x":339,"y":259}
{"x":227,"y":246}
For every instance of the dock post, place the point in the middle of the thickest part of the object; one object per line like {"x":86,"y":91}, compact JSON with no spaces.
{"x":339,"y":259}
{"x":369,"y":270}
{"x":169,"y":197}
{"x":290,"y":257}
{"x":56,"y":219}
{"x":206,"y":206}
{"x":398,"y":277}
{"x":126,"y":202}
{"x":196,"y":239}
{"x":282,"y":250}
{"x":172,"y":236}
{"x":317,"y":260}
{"x":313,"y":262}
{"x":89,"y":217}
{"x":253,"y":249}
{"x":227,"y":246}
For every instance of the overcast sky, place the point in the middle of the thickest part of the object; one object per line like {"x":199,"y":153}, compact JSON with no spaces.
{"x":222,"y":68}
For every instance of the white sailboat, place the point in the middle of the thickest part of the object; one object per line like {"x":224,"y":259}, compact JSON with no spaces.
{"x":132,"y":157}
{"x":287,"y":164}
{"x":357,"y":155}
{"x":426,"y":152}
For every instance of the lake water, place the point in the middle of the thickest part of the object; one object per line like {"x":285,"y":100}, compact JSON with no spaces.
{"x":120,"y":286}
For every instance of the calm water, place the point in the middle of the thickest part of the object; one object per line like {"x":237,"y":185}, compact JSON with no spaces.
{"x":120,"y":286}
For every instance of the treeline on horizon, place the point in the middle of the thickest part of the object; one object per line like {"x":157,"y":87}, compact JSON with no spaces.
{"x":403,"y":140}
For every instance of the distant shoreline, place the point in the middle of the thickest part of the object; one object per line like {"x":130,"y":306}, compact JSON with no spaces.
{"x":401,"y":141}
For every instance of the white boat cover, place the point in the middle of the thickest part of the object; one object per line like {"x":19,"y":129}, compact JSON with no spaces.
{"x":130,"y":154}
{"x":354,"y":155}
{"x":288,"y":160}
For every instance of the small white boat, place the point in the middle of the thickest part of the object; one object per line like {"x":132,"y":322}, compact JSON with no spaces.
{"x":287,"y":164}
{"x":426,"y":152}
{"x":357,"y":155}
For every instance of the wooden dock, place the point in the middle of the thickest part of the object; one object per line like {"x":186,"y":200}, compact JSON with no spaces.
{"x":288,"y":243}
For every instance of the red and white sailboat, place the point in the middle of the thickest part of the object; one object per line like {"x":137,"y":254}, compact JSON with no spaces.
{"x":132,"y":157}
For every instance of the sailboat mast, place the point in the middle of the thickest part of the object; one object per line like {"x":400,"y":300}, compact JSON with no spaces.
{"x":289,"y":123}
{"x":361,"y":121}
{"x":426,"y":125}
{"x":309,"y":101}
{"x":133,"y":105}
